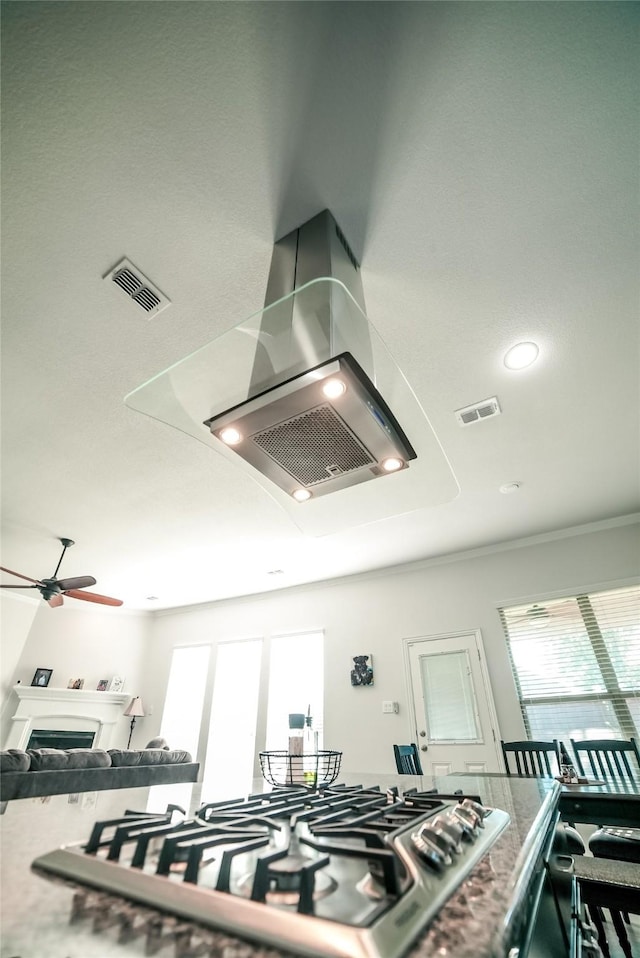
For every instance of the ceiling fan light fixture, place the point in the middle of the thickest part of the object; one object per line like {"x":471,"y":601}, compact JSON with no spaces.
{"x":521,"y":355}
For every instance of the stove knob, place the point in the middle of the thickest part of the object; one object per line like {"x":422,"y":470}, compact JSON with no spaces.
{"x":476,"y":807}
{"x":429,"y":849}
{"x":433,"y":833}
{"x":468,"y":821}
{"x":452,"y":828}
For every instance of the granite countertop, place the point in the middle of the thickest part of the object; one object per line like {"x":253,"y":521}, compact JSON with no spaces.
{"x":46,"y":918}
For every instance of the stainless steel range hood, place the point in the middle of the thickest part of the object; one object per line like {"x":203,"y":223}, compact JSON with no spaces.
{"x":266,"y":378}
{"x":325,"y":426}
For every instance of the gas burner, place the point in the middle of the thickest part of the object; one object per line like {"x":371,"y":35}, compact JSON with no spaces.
{"x":286,"y":879}
{"x":336,"y":873}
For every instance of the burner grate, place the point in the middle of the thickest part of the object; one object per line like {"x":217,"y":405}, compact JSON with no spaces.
{"x":335,"y":873}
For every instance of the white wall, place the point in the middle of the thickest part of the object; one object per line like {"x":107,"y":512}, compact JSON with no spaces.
{"x":373,"y":613}
{"x":77,"y":642}
{"x":16,"y":618}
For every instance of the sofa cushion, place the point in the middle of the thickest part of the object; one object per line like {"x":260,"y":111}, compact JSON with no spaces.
{"x":157,"y":743}
{"x":48,"y":759}
{"x":14,"y":760}
{"x":148,"y":756}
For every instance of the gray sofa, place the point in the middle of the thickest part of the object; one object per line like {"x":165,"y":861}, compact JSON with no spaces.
{"x":49,"y":771}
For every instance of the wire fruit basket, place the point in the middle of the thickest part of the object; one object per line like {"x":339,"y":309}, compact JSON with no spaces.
{"x":315,"y":770}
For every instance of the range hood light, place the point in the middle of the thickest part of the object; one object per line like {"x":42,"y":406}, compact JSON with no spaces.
{"x":230,"y":436}
{"x":334,"y":388}
{"x":301,"y":495}
{"x":392,"y":464}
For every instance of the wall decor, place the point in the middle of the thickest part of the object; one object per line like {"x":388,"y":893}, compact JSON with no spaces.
{"x":41,"y":677}
{"x":362,"y":670}
{"x":102,"y":685}
{"x":75,"y":683}
{"x":116,"y":684}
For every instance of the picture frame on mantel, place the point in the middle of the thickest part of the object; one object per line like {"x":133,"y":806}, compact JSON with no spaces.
{"x":116,"y":684}
{"x":41,"y":677}
{"x":75,"y":684}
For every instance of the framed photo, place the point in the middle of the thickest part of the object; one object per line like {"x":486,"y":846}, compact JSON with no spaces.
{"x":116,"y":684}
{"x":75,"y":684}
{"x":42,"y":677}
{"x":362,"y":670}
{"x":102,"y":685}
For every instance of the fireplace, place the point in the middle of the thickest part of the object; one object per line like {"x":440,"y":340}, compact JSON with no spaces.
{"x":67,"y":714}
{"x":60,"y":738}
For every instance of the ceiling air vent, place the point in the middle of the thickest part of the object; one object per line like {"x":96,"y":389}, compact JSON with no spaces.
{"x":478,"y":411}
{"x":137,"y":287}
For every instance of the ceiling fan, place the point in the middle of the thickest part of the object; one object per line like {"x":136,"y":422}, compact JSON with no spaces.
{"x":53,"y":590}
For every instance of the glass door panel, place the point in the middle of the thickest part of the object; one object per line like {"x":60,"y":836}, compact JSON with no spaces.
{"x":452,"y":713}
{"x":296,"y":684}
{"x":228,"y":770}
{"x":181,"y":718}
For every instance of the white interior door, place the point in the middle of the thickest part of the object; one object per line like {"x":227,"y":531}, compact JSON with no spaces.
{"x":453,"y":712}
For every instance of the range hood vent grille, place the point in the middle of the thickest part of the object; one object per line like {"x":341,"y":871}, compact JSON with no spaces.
{"x":315,"y":446}
{"x":295,"y":438}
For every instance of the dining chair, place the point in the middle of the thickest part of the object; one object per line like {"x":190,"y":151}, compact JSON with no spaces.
{"x":407,"y":759}
{"x":617,"y":759}
{"x":533,"y":757}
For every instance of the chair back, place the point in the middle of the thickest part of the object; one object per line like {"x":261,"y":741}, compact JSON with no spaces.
{"x":407,"y":759}
{"x":617,"y":758}
{"x":532,"y":757}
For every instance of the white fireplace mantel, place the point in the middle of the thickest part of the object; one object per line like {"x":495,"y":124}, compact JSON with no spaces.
{"x":76,"y":710}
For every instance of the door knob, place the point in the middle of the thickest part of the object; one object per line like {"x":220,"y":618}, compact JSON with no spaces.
{"x":424,"y":748}
{"x":422,"y":734}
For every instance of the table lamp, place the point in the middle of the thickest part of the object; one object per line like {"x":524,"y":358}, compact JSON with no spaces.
{"x":135,"y":710}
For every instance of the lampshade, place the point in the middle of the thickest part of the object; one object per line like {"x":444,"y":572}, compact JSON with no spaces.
{"x":134,"y":707}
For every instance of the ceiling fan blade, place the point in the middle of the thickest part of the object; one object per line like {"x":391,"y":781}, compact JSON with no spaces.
{"x":80,"y":582}
{"x":19,"y":574}
{"x":5,"y":586}
{"x":55,"y":601}
{"x":93,"y":597}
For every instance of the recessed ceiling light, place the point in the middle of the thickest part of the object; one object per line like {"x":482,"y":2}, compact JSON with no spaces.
{"x":275,"y":572}
{"x":521,"y":355}
{"x":508,"y":487}
{"x":152,"y":598}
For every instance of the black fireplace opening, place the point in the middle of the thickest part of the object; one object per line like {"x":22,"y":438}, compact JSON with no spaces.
{"x":60,"y":738}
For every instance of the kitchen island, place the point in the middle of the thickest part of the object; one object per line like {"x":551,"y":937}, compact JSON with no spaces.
{"x":486,"y":916}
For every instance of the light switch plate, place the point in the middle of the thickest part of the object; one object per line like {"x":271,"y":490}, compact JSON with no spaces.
{"x":389,"y":707}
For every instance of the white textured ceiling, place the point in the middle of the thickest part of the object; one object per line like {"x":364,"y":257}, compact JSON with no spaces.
{"x":482,"y":160}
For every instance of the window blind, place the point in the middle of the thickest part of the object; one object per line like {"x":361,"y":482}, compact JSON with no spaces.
{"x":576,"y":664}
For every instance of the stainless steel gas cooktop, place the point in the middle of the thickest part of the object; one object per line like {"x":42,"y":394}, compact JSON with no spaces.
{"x":343,"y":871}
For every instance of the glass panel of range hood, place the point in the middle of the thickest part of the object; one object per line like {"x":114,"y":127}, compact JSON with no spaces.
{"x":288,"y":343}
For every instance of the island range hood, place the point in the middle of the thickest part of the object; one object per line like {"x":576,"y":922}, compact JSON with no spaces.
{"x":324,"y":426}
{"x":305,"y":398}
